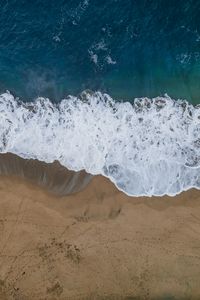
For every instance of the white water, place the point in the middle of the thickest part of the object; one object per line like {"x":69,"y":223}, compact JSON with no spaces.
{"x":149,"y":148}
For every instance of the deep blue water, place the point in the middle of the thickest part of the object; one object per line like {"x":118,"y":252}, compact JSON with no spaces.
{"x":126,"y":48}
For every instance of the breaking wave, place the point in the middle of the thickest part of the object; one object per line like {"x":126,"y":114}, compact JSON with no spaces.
{"x":149,"y":147}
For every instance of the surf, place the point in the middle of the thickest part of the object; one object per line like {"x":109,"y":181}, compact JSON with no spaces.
{"x":145,"y":147}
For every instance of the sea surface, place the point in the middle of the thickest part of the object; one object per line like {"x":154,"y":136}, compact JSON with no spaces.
{"x":131,"y":48}
{"x":111,"y":87}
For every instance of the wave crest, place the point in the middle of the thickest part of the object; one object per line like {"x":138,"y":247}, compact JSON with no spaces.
{"x":150,"y":147}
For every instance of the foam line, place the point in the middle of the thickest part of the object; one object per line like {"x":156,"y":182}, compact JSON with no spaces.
{"x":150,"y":147}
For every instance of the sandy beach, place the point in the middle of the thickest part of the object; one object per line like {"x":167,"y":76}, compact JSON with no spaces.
{"x":97,"y":243}
{"x":99,"y":150}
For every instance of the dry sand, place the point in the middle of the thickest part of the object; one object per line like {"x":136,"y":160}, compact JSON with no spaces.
{"x":97,"y":244}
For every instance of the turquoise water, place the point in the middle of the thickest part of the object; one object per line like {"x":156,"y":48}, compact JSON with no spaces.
{"x":125,"y":48}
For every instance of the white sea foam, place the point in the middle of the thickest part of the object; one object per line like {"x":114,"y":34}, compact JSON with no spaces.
{"x":150,"y":147}
{"x":110,"y":61}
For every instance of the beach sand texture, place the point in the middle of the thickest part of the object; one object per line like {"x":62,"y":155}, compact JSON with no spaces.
{"x":96,"y":243}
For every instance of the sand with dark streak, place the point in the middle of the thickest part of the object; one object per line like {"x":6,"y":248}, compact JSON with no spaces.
{"x":95,"y":243}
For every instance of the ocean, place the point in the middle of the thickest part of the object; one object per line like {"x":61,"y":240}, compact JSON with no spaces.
{"x":110,"y":87}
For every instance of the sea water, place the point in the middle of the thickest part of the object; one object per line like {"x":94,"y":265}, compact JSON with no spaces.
{"x":138,"y":121}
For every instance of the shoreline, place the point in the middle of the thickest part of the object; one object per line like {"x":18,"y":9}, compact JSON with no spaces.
{"x":54,"y":177}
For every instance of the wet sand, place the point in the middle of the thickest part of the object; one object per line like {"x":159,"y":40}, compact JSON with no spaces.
{"x":97,"y":243}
